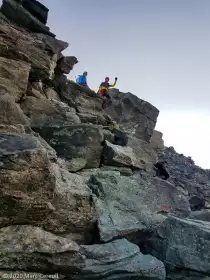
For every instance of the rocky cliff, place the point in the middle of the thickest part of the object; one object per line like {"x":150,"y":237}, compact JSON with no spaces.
{"x":78,"y":195}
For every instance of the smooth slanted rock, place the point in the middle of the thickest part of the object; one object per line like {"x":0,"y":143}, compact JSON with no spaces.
{"x":119,"y":260}
{"x":130,"y":206}
{"x":135,"y":116}
{"x":10,"y":112}
{"x":14,"y":77}
{"x":33,"y":249}
{"x":79,"y":142}
{"x":43,"y":113}
{"x":183,"y":244}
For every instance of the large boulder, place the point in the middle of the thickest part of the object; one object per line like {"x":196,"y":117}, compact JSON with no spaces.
{"x":34,"y":191}
{"x":183,"y":244}
{"x":37,"y":9}
{"x":44,"y":113}
{"x":79,"y":144}
{"x":130,"y":206}
{"x":135,"y":116}
{"x":15,"y":12}
{"x":10,"y":112}
{"x":33,"y":249}
{"x":136,"y":154}
{"x":66,"y":64}
{"x":39,"y":50}
{"x":119,"y":260}
{"x":14,"y":77}
{"x":156,"y":140}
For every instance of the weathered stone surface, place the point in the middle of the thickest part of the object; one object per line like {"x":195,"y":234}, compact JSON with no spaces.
{"x":125,"y":171}
{"x":66,"y":64}
{"x":32,"y":249}
{"x":75,"y":142}
{"x":203,"y":215}
{"x":43,"y":113}
{"x":156,"y":140}
{"x":136,"y":154}
{"x":119,"y":260}
{"x":135,"y":116}
{"x":16,"y":13}
{"x":52,"y":94}
{"x":14,"y":77}
{"x":35,"y":191}
{"x":186,"y":175}
{"x":37,"y":9}
{"x":10,"y":112}
{"x":183,"y":244}
{"x":38,"y":49}
{"x":74,"y":214}
{"x":84,"y":99}
{"x":18,"y":128}
{"x":197,"y":203}
{"x":129,"y":206}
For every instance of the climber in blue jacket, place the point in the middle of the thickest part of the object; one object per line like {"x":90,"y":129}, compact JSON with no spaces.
{"x":82,"y":80}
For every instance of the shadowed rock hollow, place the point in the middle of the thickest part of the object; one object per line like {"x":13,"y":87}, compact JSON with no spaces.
{"x":78,"y":195}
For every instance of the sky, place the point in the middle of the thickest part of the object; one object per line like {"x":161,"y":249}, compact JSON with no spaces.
{"x":158,"y":49}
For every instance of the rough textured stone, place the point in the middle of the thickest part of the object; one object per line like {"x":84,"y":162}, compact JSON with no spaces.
{"x":31,"y":248}
{"x":37,"y":9}
{"x":186,"y":175}
{"x":203,"y":215}
{"x":74,"y":214}
{"x":66,"y":64}
{"x":35,"y":191}
{"x":43,"y":113}
{"x":119,"y":260}
{"x":10,"y":112}
{"x":37,"y":49}
{"x":52,"y":94}
{"x":79,"y":141}
{"x":136,"y":154}
{"x":135,"y":116}
{"x":183,"y":244}
{"x":130,"y":206}
{"x":156,"y":140}
{"x":16,"y":13}
{"x":14,"y":77}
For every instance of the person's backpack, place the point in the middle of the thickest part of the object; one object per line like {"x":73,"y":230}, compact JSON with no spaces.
{"x":78,"y":80}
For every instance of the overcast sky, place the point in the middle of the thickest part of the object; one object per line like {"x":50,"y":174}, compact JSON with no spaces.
{"x":159,"y":50}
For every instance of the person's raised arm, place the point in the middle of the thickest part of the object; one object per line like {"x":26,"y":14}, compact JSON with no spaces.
{"x":114,"y":83}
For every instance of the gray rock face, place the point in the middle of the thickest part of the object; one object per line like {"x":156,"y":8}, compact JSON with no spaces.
{"x":10,"y":112}
{"x":66,"y":64}
{"x":129,"y":206}
{"x":32,"y":249}
{"x":14,"y":77}
{"x":37,"y":49}
{"x":37,"y":9}
{"x":156,"y":140}
{"x":136,"y":116}
{"x":34,"y":191}
{"x":203,"y":215}
{"x":15,"y":12}
{"x":119,"y":260}
{"x":183,"y":244}
{"x":43,"y":113}
{"x":136,"y":154}
{"x":185,"y":174}
{"x":76,"y":142}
